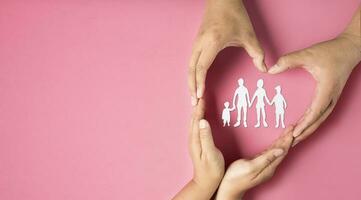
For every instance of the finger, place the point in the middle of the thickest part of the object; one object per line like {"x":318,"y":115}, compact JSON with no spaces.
{"x":283,"y":140}
{"x":256,"y":52}
{"x":265,"y":159}
{"x":196,"y":52}
{"x":269,"y":166}
{"x":279,"y":142}
{"x":205,"y":133}
{"x":194,"y":139}
{"x":199,"y":110}
{"x":288,"y":61}
{"x":320,"y":103}
{"x":205,"y":60}
{"x":314,"y":126}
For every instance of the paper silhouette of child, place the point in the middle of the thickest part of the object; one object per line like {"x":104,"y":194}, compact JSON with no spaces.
{"x":226,"y":114}
{"x":280,"y":105}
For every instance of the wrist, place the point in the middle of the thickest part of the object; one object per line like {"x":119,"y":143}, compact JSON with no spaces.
{"x":207,"y":189}
{"x":353,"y":38}
{"x":228,"y":191}
{"x":353,"y":46}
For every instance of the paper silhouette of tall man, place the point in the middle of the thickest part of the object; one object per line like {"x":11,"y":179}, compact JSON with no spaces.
{"x":261,"y":96}
{"x":241,"y":102}
{"x":280,"y":105}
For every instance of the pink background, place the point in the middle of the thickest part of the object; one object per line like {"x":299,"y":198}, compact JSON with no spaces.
{"x":94,"y":101}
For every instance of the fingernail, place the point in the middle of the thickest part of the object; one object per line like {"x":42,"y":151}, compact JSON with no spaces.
{"x":203,"y":123}
{"x":278,"y":152}
{"x":295,"y":143}
{"x":296,"y":132}
{"x":273,"y":69}
{"x":193,"y":101}
{"x":264,"y":67}
{"x":199,"y":93}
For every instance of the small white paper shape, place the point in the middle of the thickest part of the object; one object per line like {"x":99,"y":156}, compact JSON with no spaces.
{"x":280,"y":106}
{"x":241,"y":101}
{"x":261,"y":95}
{"x":226,"y":114}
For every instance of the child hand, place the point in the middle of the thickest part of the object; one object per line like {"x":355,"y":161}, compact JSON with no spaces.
{"x":208,"y":161}
{"x":244,"y":174}
{"x":225,"y":23}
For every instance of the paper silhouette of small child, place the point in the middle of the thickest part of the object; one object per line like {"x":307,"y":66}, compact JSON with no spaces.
{"x":280,"y":105}
{"x":226,"y":114}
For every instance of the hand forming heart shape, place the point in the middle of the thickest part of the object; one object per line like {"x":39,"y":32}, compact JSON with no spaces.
{"x":225,"y":24}
{"x":329,"y":66}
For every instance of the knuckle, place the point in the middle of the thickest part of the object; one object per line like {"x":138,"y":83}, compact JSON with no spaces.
{"x":213,"y":37}
{"x":249,"y":35}
{"x":200,"y":70}
{"x":203,"y":135}
{"x":283,"y":60}
{"x":308,"y":55}
{"x":191,"y":70}
{"x":269,"y":160}
{"x":249,"y":168}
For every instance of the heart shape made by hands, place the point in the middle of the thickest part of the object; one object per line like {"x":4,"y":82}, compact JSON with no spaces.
{"x":222,"y":81}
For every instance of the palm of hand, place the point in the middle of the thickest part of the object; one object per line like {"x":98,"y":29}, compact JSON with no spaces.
{"x":331,"y":67}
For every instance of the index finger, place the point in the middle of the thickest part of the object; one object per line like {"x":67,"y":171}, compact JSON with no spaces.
{"x":271,"y":156}
{"x":194,"y":138}
{"x":196,"y":52}
{"x":321,"y":102}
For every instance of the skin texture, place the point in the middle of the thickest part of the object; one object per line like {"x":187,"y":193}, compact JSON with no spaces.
{"x":208,"y":164}
{"x":208,"y":161}
{"x":330,"y":63}
{"x":225,"y":23}
{"x":244,"y":174}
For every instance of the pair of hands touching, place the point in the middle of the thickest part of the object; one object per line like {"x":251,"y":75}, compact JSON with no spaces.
{"x":209,"y":168}
{"x":226,"y":23}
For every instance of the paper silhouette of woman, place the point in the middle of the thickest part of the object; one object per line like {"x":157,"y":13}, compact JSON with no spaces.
{"x":261,"y":95}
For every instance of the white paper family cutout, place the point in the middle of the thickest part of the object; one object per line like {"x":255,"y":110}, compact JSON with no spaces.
{"x":241,"y":102}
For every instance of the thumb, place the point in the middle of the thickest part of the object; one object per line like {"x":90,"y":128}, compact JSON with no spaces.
{"x":287,"y":61}
{"x":205,"y":134}
{"x":267,"y":158}
{"x":256,"y":52}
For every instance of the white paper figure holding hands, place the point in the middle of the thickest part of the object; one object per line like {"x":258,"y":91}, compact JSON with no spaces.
{"x":261,"y":96}
{"x":280,"y":105}
{"x":242,"y":96}
{"x":226,"y":114}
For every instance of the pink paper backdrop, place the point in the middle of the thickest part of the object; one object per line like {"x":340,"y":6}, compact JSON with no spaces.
{"x":94,"y":101}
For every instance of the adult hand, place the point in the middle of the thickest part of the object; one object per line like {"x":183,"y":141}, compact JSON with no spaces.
{"x":330,"y":63}
{"x":244,"y":174}
{"x":225,"y":23}
{"x":208,"y":161}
